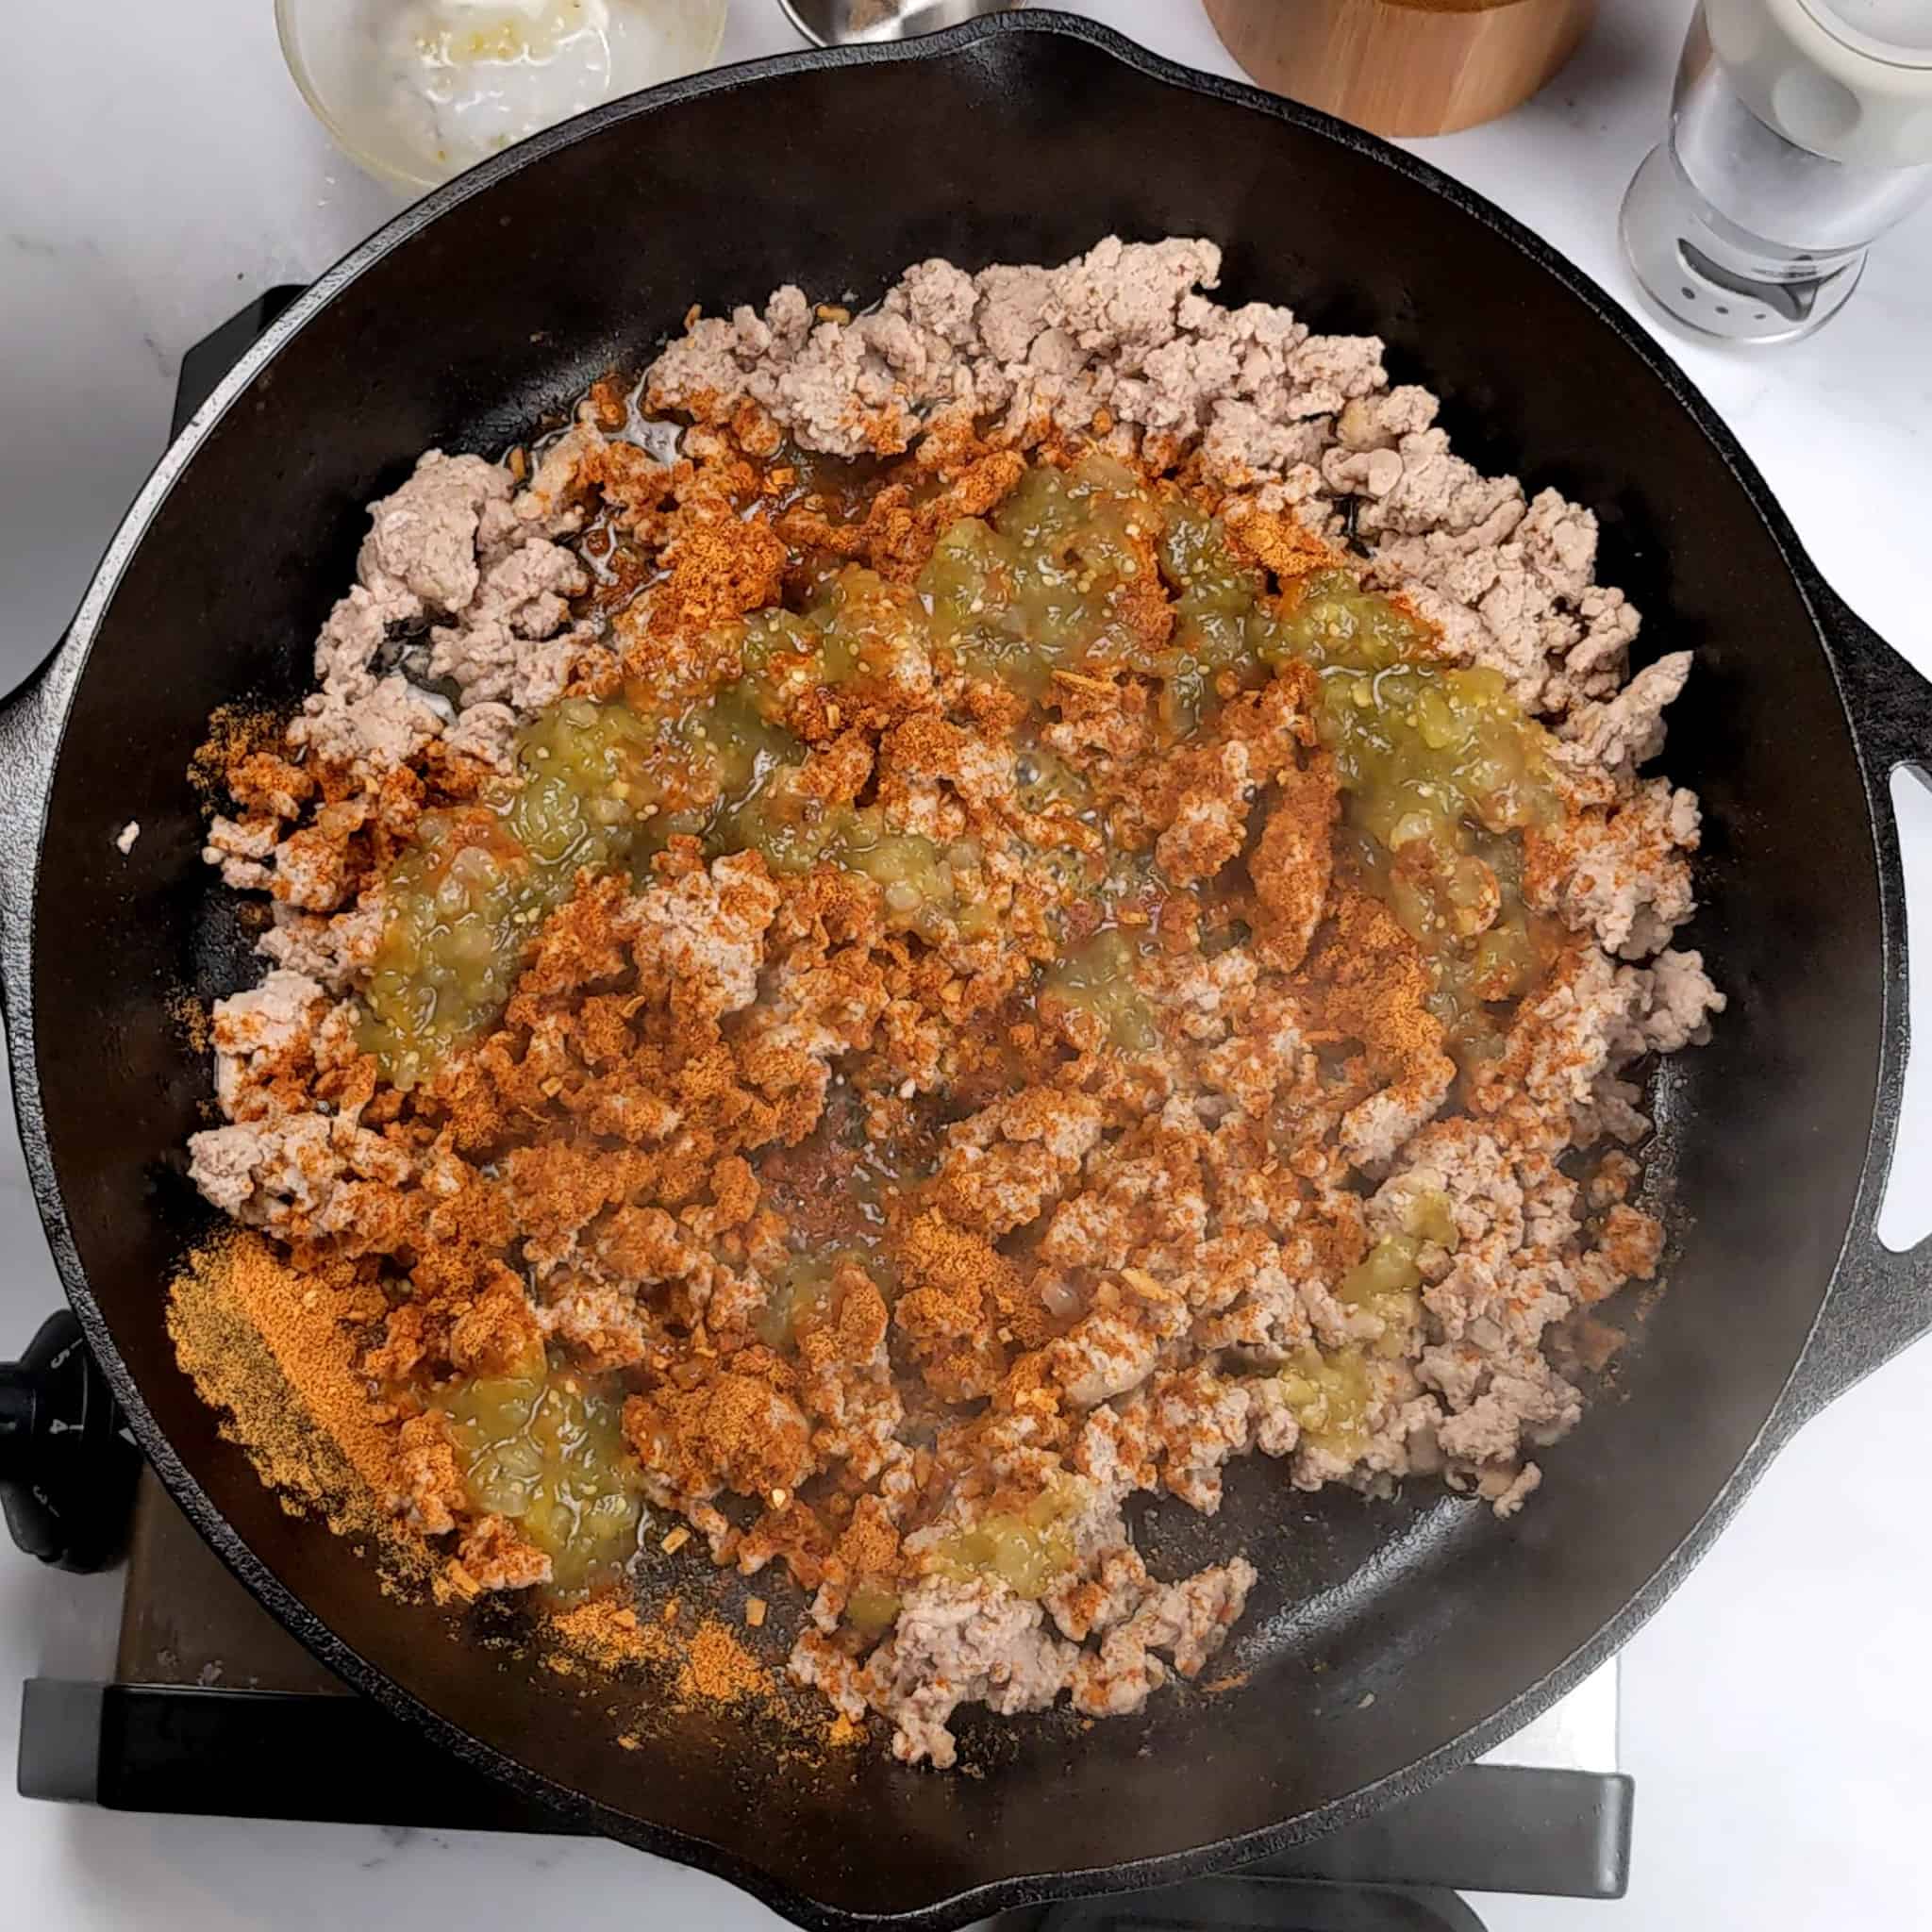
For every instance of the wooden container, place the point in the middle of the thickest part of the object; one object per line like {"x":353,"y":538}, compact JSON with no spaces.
{"x":1403,"y":66}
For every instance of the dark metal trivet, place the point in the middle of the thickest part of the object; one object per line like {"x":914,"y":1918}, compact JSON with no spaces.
{"x":208,"y":1689}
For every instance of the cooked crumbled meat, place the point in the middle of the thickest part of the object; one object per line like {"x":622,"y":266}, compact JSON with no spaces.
{"x":433,"y":1492}
{"x":603,"y":1324}
{"x":1210,"y":817}
{"x":495,"y":1557}
{"x":829,"y":1670}
{"x":376,"y":730}
{"x":255,"y":1030}
{"x":238,"y":846}
{"x":422,"y":541}
{"x":485,"y":732}
{"x":330,"y":951}
{"x":1506,"y":1493}
{"x":740,"y":1433}
{"x":498,"y":1333}
{"x":297,"y":1174}
{"x":1679,"y":1000}
{"x":1101,"y":1356}
{"x":1120,"y":332}
{"x":1186,"y":1620}
{"x":902,"y":1005}
{"x":1007,"y":1162}
{"x":1292,"y":863}
{"x":1622,"y":871}
{"x":1375,"y":1128}
{"x":1627,"y":731}
{"x":508,"y":650}
{"x":701,"y":938}
{"x":958,"y":1644}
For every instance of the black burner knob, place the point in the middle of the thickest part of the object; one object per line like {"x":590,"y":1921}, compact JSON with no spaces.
{"x":67,"y":1464}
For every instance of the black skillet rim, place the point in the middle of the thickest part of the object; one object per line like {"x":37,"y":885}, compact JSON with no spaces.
{"x":60,"y":675}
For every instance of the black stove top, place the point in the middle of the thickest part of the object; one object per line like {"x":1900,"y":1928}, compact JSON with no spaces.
{"x":207,"y":1691}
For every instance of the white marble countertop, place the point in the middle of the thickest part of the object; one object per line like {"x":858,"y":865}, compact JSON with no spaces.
{"x":1778,"y":1714}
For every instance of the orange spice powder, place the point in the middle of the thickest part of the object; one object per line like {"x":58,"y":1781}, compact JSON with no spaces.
{"x":274,"y":1348}
{"x":718,"y":1668}
{"x":711,"y":1664}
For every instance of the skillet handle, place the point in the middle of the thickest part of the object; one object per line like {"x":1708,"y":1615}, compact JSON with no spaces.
{"x":1880,"y":1299}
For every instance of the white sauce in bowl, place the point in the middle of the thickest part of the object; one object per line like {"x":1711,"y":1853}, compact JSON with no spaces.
{"x":467,"y":77}
{"x":420,"y":90}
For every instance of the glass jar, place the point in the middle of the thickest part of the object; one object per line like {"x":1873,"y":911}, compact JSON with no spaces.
{"x":1801,"y":130}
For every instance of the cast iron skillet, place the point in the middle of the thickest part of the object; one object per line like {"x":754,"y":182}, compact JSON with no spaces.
{"x":1023,"y":139}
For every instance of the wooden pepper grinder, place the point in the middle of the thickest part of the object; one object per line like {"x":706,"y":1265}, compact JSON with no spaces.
{"x":1403,"y":66}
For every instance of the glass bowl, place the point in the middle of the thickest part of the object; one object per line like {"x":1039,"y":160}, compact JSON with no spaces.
{"x":416,"y":90}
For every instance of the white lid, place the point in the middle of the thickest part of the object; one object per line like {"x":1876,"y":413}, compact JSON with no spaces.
{"x":1849,"y":79}
{"x":1897,"y":31}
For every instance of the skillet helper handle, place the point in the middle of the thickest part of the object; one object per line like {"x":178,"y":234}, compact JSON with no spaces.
{"x":1881,"y":1299}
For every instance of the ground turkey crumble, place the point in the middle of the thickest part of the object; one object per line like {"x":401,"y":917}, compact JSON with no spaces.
{"x":1098,"y":1267}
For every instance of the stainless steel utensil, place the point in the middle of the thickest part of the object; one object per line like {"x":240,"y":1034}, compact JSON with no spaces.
{"x":844,"y":22}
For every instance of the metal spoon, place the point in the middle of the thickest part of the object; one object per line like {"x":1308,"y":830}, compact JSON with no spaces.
{"x":841,"y":23}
